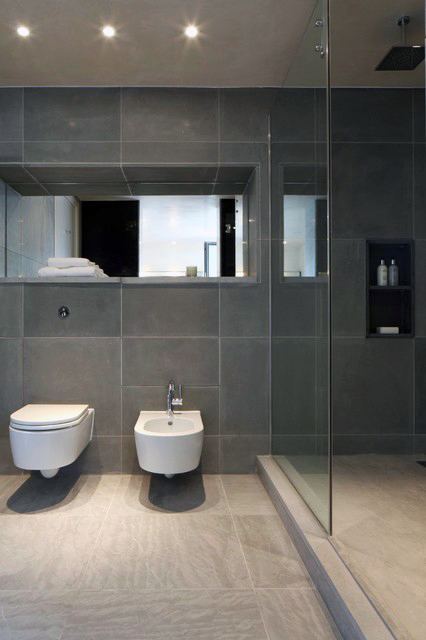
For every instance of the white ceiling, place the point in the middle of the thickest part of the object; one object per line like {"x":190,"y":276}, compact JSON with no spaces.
{"x":242,"y":43}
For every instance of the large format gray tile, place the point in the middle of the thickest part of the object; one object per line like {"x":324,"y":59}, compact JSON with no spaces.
{"x":420,"y":381}
{"x":244,"y":380}
{"x":11,"y":114}
{"x":81,"y":174}
{"x":10,"y":152}
{"x":372,"y":190}
{"x":45,"y":556}
{"x":293,"y":386}
{"x":149,"y":152}
{"x":168,"y":114}
{"x":293,"y":116}
{"x":66,"y":152}
{"x":419,"y":114}
{"x":204,"y":399}
{"x":155,"y":361}
{"x":371,"y":115}
{"x":210,"y":455}
{"x":246,"y":495}
{"x":293,"y":309}
{"x":10,"y":380}
{"x":420,"y":287}
{"x":171,"y":311}
{"x":373,"y":386}
{"x":10,"y":310}
{"x":238,"y":453}
{"x":102,"y":455}
{"x":81,"y":370}
{"x":189,"y":493}
{"x":167,"y":552}
{"x":348,"y":290}
{"x":244,"y":310}
{"x":419,"y":190}
{"x":38,"y":615}
{"x":68,"y":113}
{"x":271,"y":558}
{"x":294,"y":613}
{"x":6,"y":461}
{"x":244,"y":114}
{"x":165,"y":615}
{"x":95,"y":310}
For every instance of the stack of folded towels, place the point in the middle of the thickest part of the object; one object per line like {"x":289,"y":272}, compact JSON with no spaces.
{"x":74,"y":267}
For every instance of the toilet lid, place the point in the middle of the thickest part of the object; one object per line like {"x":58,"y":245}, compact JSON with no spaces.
{"x":48,"y":414}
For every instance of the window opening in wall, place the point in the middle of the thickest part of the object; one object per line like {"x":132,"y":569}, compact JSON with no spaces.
{"x":305,"y":236}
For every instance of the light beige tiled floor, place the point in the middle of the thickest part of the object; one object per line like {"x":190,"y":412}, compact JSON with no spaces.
{"x":141,"y":558}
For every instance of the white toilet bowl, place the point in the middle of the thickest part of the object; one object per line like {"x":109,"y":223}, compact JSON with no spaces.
{"x":169,"y":446}
{"x":46,"y":437}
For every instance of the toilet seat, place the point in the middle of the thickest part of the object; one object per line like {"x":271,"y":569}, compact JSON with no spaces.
{"x":48,"y":417}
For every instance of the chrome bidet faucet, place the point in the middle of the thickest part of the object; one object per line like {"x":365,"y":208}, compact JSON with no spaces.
{"x":172,"y":400}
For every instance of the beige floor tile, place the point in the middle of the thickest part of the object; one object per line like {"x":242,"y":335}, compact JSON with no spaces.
{"x":189,"y":493}
{"x":165,"y":615}
{"x":167,"y":552}
{"x":271,"y":557}
{"x":294,"y":614}
{"x":246,"y":495}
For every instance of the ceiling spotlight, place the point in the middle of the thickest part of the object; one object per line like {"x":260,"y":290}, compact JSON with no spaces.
{"x":108,"y":31}
{"x":191,"y":31}
{"x":22,"y":31}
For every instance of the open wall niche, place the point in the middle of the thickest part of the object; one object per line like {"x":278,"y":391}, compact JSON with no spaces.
{"x":390,"y":306}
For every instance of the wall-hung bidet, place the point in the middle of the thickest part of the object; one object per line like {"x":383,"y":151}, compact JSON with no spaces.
{"x":168,"y":442}
{"x":46,"y":437}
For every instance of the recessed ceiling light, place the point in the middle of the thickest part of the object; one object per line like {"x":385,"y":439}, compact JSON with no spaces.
{"x":191,"y":31}
{"x":22,"y":31}
{"x":108,"y":31}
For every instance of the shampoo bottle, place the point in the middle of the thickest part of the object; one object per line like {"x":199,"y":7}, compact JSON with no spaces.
{"x":382,"y":274}
{"x":393,"y":274}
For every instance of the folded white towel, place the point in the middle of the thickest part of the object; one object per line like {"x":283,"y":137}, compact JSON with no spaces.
{"x":64,"y":263}
{"x":75,"y":272}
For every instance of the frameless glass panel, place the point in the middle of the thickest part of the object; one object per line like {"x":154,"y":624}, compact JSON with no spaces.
{"x":300,"y":282}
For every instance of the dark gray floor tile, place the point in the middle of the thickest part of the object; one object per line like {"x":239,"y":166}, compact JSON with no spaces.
{"x":80,"y":370}
{"x":72,"y":113}
{"x":292,"y":116}
{"x":348,"y":287}
{"x":155,"y":361}
{"x":10,"y":310}
{"x":372,"y":386}
{"x":95,"y":310}
{"x":169,"y":114}
{"x":244,"y":310}
{"x":244,"y":379}
{"x":10,"y":380}
{"x":244,"y":114}
{"x":372,"y":190}
{"x":203,"y":399}
{"x":167,"y":310}
{"x":11,"y":114}
{"x":293,"y":386}
{"x":371,"y":115}
{"x":238,"y":453}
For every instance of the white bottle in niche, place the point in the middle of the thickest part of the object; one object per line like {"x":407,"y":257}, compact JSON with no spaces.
{"x":382,"y":274}
{"x":393,"y":274}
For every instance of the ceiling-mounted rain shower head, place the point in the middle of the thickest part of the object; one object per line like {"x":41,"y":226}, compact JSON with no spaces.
{"x":403,"y":57}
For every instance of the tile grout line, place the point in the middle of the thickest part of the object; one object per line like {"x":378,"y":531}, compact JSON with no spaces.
{"x":245,"y":560}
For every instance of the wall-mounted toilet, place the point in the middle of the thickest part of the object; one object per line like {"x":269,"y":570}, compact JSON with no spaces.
{"x":46,"y":437}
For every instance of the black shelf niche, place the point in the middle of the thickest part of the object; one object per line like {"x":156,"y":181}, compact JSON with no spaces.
{"x":390,"y":306}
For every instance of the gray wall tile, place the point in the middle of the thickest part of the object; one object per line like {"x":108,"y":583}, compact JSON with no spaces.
{"x":80,"y":370}
{"x":155,"y":361}
{"x":419,"y":190}
{"x":102,"y":455}
{"x":348,"y":287}
{"x":420,"y":373}
{"x":372,"y":386}
{"x":72,"y":114}
{"x":238,"y":453}
{"x":11,"y":152}
{"x":10,"y":310}
{"x":371,"y":115}
{"x":293,"y":116}
{"x":204,"y":399}
{"x":95,"y":310}
{"x":244,"y":392}
{"x":168,"y":310}
{"x":419,"y":114}
{"x":420,"y":287}
{"x":380,"y":444}
{"x":244,"y":310}
{"x":11,"y":114}
{"x":372,"y":190}
{"x":6,"y":461}
{"x":294,"y":309}
{"x":148,"y":152}
{"x":244,"y":114}
{"x":210,"y":456}
{"x":167,"y":114}
{"x":68,"y":152}
{"x":11,"y":374}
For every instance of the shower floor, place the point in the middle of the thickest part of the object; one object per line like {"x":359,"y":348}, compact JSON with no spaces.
{"x":141,"y":557}
{"x":379,"y":516}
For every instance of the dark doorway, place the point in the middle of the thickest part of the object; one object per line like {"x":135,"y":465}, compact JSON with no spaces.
{"x":227,"y":237}
{"x":110,"y":236}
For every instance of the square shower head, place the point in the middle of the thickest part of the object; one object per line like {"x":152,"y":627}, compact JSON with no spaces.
{"x":402,"y":58}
